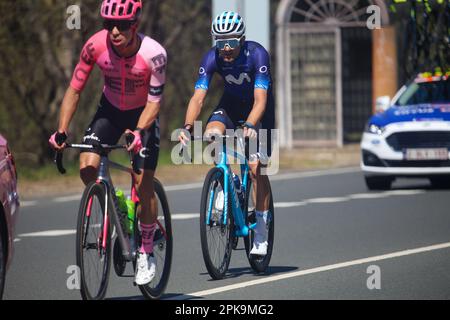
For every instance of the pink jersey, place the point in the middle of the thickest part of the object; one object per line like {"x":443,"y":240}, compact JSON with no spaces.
{"x":129,"y":82}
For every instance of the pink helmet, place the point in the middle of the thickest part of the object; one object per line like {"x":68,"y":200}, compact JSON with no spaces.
{"x":121,"y":9}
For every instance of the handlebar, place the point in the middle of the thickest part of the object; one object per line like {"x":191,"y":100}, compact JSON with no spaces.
{"x":224,"y":138}
{"x":102,"y":147}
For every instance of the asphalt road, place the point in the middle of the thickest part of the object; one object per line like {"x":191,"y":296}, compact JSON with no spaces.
{"x":332,"y":239}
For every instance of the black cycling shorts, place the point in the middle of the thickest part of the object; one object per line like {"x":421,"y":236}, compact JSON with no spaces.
{"x":232,"y":112}
{"x":110,"y":123}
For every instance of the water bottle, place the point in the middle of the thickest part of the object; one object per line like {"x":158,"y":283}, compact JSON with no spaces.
{"x":131,"y":211}
{"x":121,"y":200}
{"x":237,"y":185}
{"x":122,"y":205}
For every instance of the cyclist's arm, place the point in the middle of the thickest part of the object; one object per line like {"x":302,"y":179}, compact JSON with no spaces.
{"x":149,"y":114}
{"x":259,"y":106}
{"x":262,"y":85}
{"x":157,"y":82}
{"x":80,"y":77}
{"x":68,"y":108}
{"x":205,"y":73}
{"x":195,"y":106}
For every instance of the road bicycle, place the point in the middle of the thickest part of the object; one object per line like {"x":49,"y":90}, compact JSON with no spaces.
{"x":100,"y":221}
{"x":224,"y":221}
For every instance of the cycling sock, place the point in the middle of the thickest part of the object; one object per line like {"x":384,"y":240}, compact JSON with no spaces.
{"x":147,"y":231}
{"x":261,"y":222}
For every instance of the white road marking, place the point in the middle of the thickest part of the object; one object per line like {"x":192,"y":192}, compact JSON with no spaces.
{"x":350,"y":197}
{"x":28,"y":203}
{"x":76,"y":197}
{"x":17,"y":240}
{"x":179,"y":187}
{"x":67,"y":232}
{"x":317,"y":173}
{"x":198,"y":185}
{"x":48,"y":233}
{"x":294,"y":274}
{"x":185,"y":216}
{"x":289,"y":204}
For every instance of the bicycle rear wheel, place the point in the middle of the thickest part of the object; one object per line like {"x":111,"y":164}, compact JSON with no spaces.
{"x":93,"y":250}
{"x":215,"y":236}
{"x":258,"y":263}
{"x":162,"y":246}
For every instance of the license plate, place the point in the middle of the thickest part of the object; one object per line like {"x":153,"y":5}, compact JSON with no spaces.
{"x":427,"y":154}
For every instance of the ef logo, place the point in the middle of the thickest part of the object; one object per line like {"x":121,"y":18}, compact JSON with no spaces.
{"x":374,"y":21}
{"x":374,"y":281}
{"x":73,"y":22}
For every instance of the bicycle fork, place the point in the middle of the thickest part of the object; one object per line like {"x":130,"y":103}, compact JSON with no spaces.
{"x":242,"y":229}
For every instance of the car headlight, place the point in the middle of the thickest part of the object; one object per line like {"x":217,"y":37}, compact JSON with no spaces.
{"x":373,"y":128}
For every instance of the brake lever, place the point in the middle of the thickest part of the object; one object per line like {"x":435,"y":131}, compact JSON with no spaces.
{"x":129,"y":138}
{"x":59,"y":162}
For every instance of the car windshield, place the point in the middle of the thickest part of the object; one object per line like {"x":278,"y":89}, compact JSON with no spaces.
{"x":426,"y":92}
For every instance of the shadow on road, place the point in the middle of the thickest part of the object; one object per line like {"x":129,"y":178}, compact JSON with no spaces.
{"x":140,"y":297}
{"x":238,"y":272}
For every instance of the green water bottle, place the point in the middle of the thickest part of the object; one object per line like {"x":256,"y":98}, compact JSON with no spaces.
{"x":121,"y":201}
{"x":131,"y":208}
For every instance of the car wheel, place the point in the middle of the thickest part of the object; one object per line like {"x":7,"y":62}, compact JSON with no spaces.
{"x":378,"y":183}
{"x":2,"y":264}
{"x":440,"y":182}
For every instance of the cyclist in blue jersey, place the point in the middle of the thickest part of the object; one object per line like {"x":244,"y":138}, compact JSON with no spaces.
{"x":245,"y":69}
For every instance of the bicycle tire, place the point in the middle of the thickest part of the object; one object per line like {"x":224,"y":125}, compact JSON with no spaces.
{"x":2,"y":261}
{"x":258,"y":263}
{"x":217,"y":270}
{"x":83,"y":227}
{"x":119,"y":262}
{"x":153,"y":290}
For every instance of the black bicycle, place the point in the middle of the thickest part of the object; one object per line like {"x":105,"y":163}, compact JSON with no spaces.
{"x":100,"y":219}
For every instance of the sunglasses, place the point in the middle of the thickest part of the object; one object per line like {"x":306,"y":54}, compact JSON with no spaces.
{"x":232,"y":43}
{"x":122,"y":25}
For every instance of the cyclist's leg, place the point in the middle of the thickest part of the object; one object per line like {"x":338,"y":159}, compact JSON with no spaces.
{"x":89,"y":163}
{"x":218,"y":122}
{"x":147,"y":160}
{"x":261,"y":181}
{"x":101,"y":130}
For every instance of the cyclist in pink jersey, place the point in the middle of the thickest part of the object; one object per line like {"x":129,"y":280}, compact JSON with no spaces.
{"x":133,"y":67}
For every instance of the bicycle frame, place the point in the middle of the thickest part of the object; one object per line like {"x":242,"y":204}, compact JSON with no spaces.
{"x":103,"y":177}
{"x":242,"y":229}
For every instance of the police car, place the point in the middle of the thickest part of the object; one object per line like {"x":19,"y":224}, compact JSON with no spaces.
{"x":409,"y":136}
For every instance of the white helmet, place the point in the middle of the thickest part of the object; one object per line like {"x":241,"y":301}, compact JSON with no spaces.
{"x":228,"y":23}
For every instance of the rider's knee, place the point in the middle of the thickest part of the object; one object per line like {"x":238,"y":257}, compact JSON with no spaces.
{"x":144,"y":183}
{"x":88,"y":173}
{"x":210,"y":132}
{"x":255,"y":169}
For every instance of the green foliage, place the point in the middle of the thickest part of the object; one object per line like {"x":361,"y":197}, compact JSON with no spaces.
{"x":38,"y":54}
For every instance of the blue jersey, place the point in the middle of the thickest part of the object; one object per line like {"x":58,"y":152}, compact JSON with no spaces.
{"x":250,"y":70}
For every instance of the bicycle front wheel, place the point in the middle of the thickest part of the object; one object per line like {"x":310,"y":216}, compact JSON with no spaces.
{"x":258,"y":263}
{"x":93,"y":243}
{"x":162,"y":247}
{"x":215,"y":233}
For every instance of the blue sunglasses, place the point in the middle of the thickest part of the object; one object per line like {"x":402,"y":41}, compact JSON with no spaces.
{"x":232,"y":43}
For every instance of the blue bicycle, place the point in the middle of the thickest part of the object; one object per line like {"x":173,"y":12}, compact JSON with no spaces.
{"x":224,"y":218}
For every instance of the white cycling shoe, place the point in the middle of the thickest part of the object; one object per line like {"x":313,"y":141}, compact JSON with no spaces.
{"x":260,"y":243}
{"x":146,"y":269}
